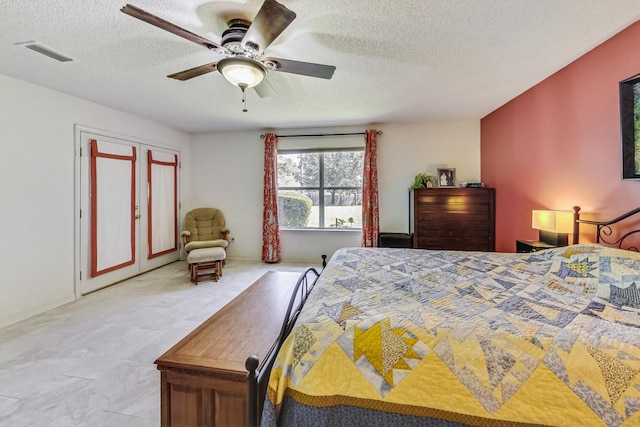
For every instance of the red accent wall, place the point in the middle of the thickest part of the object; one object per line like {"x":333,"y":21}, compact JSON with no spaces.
{"x":558,"y":144}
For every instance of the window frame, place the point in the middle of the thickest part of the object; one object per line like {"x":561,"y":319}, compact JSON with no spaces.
{"x":321,"y":188}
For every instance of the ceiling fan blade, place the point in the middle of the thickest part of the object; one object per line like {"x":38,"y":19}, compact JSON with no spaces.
{"x":271,"y":20}
{"x":147,"y":17}
{"x":265,"y":89}
{"x":303,"y":68}
{"x":193,"y":72}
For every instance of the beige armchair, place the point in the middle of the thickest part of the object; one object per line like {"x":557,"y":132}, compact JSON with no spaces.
{"x":204,"y":228}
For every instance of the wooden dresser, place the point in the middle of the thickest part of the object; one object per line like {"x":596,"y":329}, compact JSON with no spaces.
{"x":203,"y":380}
{"x":454,"y":218}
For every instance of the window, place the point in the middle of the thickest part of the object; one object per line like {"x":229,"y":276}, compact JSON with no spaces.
{"x":320,"y":188}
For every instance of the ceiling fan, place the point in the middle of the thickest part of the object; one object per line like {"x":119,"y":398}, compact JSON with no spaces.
{"x":243,"y":45}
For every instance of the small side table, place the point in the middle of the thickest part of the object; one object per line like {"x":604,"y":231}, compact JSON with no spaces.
{"x":525,"y":246}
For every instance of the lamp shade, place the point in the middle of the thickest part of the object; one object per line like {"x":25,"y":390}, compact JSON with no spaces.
{"x":552,"y":221}
{"x":242,"y":72}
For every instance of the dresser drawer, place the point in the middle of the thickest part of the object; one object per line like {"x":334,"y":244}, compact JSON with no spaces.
{"x":454,"y":218}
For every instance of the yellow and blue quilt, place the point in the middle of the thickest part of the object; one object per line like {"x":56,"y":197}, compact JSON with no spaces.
{"x":415,"y":337}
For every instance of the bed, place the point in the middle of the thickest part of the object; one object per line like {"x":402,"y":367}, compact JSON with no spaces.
{"x":444,"y":338}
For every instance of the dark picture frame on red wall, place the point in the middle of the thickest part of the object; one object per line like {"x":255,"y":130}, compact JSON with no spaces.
{"x":630,"y":126}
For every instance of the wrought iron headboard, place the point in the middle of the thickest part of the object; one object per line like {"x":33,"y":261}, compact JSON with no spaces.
{"x":604,"y":229}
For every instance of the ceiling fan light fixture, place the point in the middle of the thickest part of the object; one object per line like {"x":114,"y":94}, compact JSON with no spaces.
{"x":242,"y":72}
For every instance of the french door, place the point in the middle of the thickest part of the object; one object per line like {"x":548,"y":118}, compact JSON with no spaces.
{"x":129,"y":202}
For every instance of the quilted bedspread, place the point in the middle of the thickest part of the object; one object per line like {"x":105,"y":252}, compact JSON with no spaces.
{"x":415,"y":337}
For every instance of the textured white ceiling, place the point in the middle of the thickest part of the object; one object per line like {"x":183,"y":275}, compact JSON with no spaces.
{"x":397,"y":60}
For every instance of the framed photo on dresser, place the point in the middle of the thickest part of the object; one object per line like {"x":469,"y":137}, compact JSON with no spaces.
{"x":446,"y":177}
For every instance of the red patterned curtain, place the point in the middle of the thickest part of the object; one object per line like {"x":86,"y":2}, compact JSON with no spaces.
{"x":270,"y":227}
{"x":370,"y":212}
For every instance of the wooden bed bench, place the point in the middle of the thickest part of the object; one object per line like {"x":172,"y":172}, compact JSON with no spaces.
{"x":203,"y":377}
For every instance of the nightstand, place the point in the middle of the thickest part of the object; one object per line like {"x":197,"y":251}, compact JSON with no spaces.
{"x":524,"y":246}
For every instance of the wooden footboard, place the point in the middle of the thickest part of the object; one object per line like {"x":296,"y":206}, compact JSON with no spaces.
{"x":203,"y":377}
{"x":258,"y":376}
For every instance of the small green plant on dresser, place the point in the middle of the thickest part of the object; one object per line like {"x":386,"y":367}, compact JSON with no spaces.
{"x":425,"y":180}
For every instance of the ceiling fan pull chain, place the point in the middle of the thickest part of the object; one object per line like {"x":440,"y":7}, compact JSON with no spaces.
{"x":244,"y":96}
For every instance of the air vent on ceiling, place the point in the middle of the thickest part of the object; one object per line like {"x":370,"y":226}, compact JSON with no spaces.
{"x":44,"y":50}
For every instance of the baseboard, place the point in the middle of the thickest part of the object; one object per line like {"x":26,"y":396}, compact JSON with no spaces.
{"x":34,"y":311}
{"x":316,"y":261}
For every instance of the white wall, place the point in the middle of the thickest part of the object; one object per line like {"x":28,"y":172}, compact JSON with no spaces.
{"x":227,"y":173}
{"x":408,"y":149}
{"x":37,"y":165}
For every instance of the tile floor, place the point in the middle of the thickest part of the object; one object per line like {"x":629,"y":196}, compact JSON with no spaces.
{"x":90,"y":362}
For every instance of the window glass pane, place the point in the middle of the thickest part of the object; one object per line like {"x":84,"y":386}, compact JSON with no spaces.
{"x":343,"y":208}
{"x":301,"y":181}
{"x":299,"y":170}
{"x":298,"y":208}
{"x":343,"y":169}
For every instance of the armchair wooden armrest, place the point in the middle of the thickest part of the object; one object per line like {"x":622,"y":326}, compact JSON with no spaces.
{"x":185,"y":237}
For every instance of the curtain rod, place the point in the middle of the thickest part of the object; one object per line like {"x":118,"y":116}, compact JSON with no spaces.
{"x":321,"y":134}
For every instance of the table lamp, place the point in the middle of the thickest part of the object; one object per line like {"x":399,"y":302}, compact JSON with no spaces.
{"x":553,"y":226}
